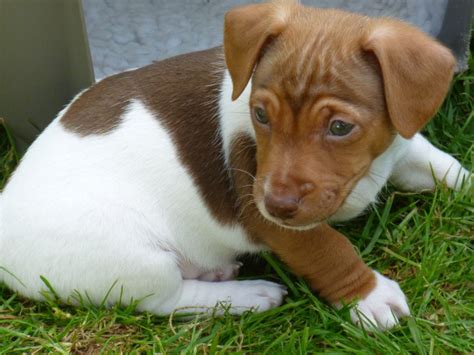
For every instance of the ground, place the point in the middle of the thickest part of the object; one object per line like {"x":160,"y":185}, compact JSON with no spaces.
{"x":424,"y":241}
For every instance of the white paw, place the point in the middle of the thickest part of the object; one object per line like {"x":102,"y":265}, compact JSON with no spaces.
{"x":225,"y":273}
{"x":382,"y":307}
{"x":458,"y":177}
{"x":258,"y":295}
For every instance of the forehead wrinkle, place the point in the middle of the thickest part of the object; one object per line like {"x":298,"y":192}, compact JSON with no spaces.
{"x":307,"y":53}
{"x":356,"y":80}
{"x":312,"y":65}
{"x":284,"y":53}
{"x":341,"y":84}
{"x":316,"y":79}
{"x":299,"y":68}
{"x":340,"y":70}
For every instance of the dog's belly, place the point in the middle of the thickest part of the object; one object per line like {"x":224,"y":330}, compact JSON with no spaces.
{"x":76,"y":196}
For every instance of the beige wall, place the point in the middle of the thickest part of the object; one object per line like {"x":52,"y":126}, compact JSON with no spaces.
{"x":44,"y":62}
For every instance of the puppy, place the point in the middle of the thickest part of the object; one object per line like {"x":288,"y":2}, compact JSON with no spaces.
{"x":151,"y":182}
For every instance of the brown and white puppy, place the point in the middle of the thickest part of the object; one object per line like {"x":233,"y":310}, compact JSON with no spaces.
{"x":156,"y":179}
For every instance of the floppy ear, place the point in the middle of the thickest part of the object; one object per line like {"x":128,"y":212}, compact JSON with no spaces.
{"x":246,"y":31}
{"x":416,"y":72}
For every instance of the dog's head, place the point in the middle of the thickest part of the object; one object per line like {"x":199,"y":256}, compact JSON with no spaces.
{"x":330,"y":90}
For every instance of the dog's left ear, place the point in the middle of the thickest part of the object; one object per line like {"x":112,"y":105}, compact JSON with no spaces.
{"x":416,"y":72}
{"x":247,"y":30}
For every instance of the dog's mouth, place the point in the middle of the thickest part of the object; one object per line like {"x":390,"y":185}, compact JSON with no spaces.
{"x":309,"y":217}
{"x":301,"y":227}
{"x":289,"y":223}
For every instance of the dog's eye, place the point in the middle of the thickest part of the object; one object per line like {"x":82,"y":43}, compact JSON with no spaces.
{"x":340,"y":128}
{"x":260,"y":115}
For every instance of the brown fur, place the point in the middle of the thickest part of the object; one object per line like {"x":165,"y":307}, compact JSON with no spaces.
{"x":246,"y":32}
{"x":411,"y":63}
{"x":100,"y":107}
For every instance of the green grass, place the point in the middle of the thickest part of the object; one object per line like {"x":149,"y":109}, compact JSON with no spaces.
{"x":424,"y":241}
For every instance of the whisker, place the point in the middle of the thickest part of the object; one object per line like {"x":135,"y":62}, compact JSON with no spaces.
{"x":245,"y":148}
{"x":245,"y":172}
{"x":241,"y":198}
{"x":244,"y":186}
{"x":248,"y":204}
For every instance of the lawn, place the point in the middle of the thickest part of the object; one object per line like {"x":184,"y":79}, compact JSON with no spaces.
{"x":424,"y":241}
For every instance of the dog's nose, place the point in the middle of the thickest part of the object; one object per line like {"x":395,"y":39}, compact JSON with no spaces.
{"x":281,"y":206}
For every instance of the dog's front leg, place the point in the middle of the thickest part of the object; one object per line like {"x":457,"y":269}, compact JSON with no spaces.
{"x":330,"y":264}
{"x":423,"y":164}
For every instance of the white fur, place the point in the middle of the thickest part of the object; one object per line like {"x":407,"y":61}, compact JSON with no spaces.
{"x":410,"y":164}
{"x":119,"y":209}
{"x":234,"y":115}
{"x":368,"y":187}
{"x":383,"y":306}
{"x":423,"y":165}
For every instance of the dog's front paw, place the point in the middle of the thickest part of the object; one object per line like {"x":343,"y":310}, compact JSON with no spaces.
{"x":383,"y":306}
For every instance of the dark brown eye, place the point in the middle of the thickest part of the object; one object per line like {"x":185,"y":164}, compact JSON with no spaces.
{"x":340,"y":128}
{"x":260,"y":115}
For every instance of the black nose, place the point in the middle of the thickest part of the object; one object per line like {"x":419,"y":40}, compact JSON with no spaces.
{"x":281,"y":206}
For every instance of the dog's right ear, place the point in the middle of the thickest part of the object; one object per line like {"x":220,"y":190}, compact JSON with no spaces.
{"x":247,"y":30}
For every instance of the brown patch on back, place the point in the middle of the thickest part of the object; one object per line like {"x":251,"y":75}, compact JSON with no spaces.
{"x":98,"y":109}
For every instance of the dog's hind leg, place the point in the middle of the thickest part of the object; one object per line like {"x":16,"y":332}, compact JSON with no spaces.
{"x":424,"y":164}
{"x":125,"y":273}
{"x":109,"y":258}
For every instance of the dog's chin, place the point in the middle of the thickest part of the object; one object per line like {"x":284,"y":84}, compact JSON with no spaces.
{"x":283,"y":224}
